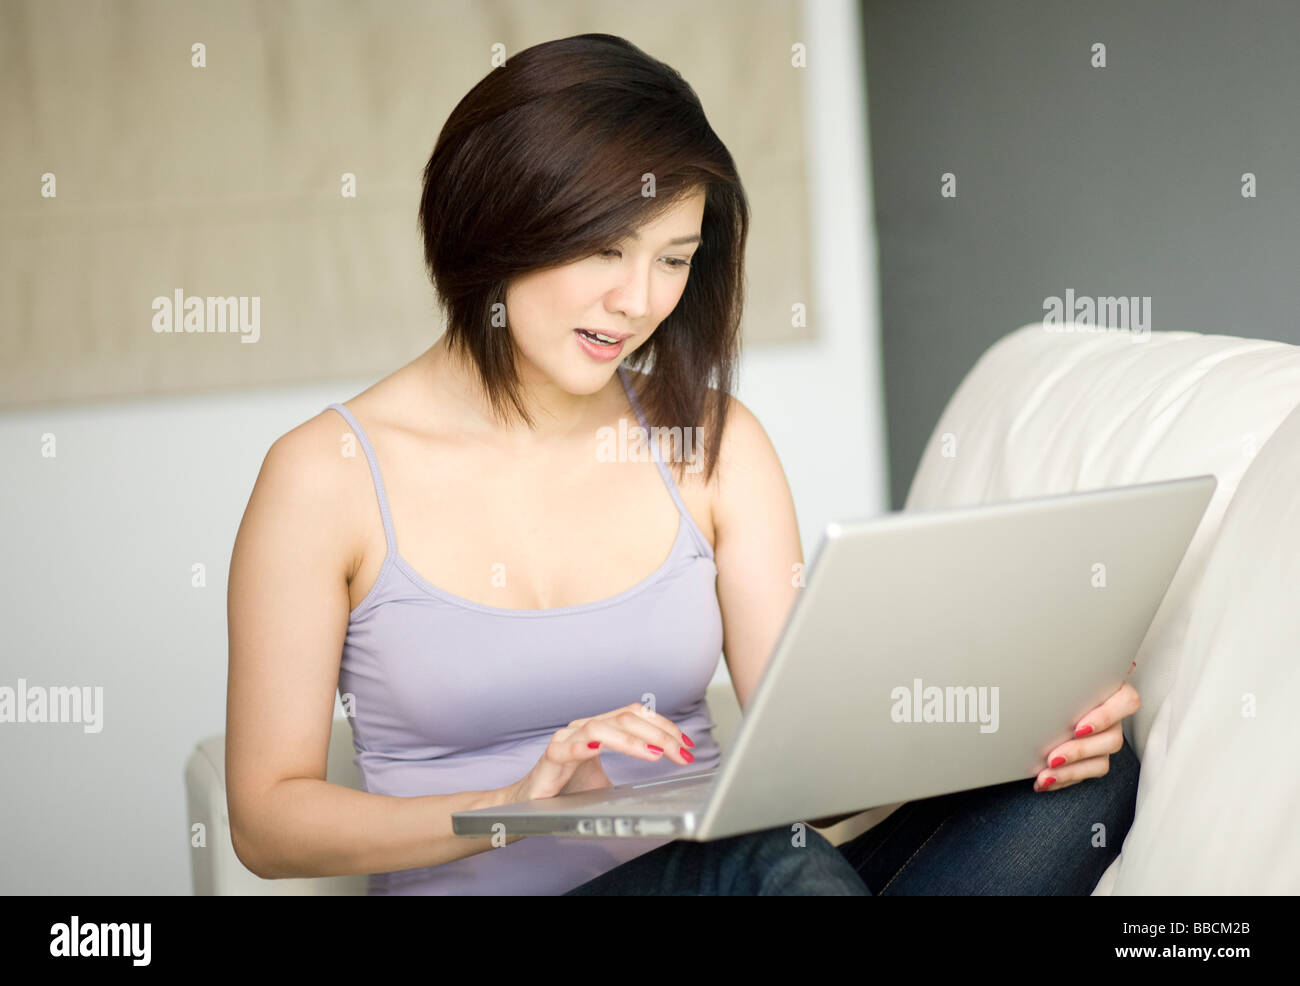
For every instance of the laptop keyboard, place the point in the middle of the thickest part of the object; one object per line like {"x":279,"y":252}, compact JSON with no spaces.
{"x":687,"y":793}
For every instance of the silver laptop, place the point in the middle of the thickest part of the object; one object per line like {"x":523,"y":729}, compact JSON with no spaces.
{"x":928,"y":652}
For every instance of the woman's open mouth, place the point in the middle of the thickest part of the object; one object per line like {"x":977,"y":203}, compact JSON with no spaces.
{"x":598,"y":346}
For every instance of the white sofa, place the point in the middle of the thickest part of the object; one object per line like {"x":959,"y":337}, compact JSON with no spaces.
{"x":1052,"y":409}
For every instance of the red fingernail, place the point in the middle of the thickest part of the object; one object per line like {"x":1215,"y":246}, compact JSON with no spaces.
{"x":1056,"y":761}
{"x":593,"y":744}
{"x":1083,"y":731}
{"x":655,"y":748}
{"x":687,"y":740}
{"x":690,"y":757}
{"x":1049,"y":782}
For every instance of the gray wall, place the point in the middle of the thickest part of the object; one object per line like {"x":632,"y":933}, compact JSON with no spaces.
{"x":1122,"y":180}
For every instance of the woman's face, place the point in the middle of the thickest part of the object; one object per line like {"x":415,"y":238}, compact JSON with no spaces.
{"x":624,"y":292}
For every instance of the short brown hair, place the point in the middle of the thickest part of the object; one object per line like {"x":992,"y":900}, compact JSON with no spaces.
{"x":541,"y":164}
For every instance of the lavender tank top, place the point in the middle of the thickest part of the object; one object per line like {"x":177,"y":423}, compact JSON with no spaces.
{"x":451,"y":695}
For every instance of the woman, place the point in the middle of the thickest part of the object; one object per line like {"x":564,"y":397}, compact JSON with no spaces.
{"x":491,"y":627}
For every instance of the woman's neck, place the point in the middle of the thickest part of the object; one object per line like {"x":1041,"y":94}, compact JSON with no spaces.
{"x":558,"y":416}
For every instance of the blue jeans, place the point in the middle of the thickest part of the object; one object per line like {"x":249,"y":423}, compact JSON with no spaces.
{"x":1004,"y":839}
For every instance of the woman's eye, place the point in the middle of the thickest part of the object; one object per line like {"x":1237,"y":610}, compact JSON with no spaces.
{"x":676,"y":262}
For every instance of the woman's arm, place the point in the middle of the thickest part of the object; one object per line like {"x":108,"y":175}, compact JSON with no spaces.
{"x":288,"y":611}
{"x":757,"y":550}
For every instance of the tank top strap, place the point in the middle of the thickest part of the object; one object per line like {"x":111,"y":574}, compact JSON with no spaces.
{"x":366,"y":447}
{"x":664,"y":471}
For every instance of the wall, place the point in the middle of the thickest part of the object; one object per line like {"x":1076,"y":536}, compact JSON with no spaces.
{"x":1122,"y":180}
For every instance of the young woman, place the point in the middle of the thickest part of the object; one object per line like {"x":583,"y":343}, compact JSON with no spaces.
{"x":512,"y":604}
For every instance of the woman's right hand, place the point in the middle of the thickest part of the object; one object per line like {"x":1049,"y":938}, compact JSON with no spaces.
{"x":572,"y":758}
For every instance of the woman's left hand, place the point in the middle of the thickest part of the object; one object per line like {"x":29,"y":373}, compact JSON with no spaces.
{"x":1097,"y":735}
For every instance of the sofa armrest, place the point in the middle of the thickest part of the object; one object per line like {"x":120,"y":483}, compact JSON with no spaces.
{"x":215,"y":868}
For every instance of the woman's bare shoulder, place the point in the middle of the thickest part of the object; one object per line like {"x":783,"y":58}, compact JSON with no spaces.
{"x":318,"y":448}
{"x":315,"y":477}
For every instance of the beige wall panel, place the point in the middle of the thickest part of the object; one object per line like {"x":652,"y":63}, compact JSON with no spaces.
{"x":225,"y":180}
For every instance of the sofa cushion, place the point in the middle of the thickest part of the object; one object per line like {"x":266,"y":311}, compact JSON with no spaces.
{"x":1217,"y":809}
{"x":1046,"y":410}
